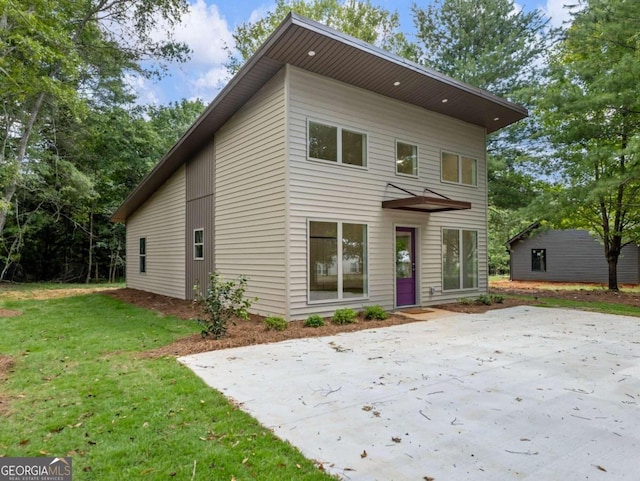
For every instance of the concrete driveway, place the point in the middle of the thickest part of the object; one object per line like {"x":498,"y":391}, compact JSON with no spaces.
{"x":520,"y":393}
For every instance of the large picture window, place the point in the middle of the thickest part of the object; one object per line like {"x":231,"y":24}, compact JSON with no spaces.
{"x":198,"y":244}
{"x":335,"y":144}
{"x":142,"y":254}
{"x":459,"y":169}
{"x":338,"y":264}
{"x":459,"y":259}
{"x":406,"y":158}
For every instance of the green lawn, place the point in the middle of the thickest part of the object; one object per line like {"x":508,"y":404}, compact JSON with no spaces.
{"x":594,"y":306}
{"x":79,"y":388}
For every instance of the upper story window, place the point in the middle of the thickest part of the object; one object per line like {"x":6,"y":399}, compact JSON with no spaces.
{"x":459,"y":169}
{"x":336,"y":144}
{"x":406,"y":158}
{"x":198,"y":244}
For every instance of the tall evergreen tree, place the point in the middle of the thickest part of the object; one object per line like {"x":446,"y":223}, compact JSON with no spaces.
{"x":591,"y":114}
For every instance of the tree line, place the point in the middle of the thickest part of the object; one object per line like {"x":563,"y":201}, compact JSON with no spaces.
{"x":74,"y":143}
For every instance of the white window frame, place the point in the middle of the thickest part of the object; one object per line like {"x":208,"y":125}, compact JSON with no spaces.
{"x":340,"y":297}
{"x":339,"y":129}
{"x":461,"y":273}
{"x":142,"y":257}
{"x":196,"y":244}
{"x":417,"y":166}
{"x":459,"y":181}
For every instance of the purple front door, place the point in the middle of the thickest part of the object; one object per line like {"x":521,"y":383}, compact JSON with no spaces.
{"x":405,"y":266}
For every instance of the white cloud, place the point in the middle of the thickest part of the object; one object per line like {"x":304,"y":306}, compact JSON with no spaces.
{"x":146,"y":91}
{"x":210,"y":81}
{"x":206,"y":32}
{"x":261,"y":12}
{"x":559,"y":12}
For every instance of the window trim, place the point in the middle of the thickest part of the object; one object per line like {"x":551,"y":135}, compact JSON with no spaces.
{"x":544,"y":256}
{"x":417,"y":167}
{"x":461,"y":274}
{"x":459,"y":156}
{"x":340,"y":298}
{"x":142,"y":255}
{"x":195,"y":244}
{"x":339,"y":128}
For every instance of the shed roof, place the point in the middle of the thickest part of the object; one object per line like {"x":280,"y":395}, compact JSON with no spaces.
{"x":340,"y":57}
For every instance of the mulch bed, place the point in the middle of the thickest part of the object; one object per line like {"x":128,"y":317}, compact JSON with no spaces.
{"x":245,"y":333}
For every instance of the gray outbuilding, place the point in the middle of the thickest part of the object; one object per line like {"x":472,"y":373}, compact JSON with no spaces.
{"x":571,"y":255}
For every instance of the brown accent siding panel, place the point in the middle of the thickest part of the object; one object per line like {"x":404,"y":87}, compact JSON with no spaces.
{"x":200,"y":215}
{"x":572,"y":256}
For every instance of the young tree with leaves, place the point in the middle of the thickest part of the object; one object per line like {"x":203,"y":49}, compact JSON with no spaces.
{"x":591,"y":114}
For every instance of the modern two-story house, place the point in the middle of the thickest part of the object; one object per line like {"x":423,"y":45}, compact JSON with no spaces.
{"x":331,"y":174}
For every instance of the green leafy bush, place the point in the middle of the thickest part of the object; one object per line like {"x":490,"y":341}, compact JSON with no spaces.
{"x":375,"y":312}
{"x":275,"y":322}
{"x":314,"y":320}
{"x":483,"y":299}
{"x":465,"y":301}
{"x":224,"y":301}
{"x":497,"y":298}
{"x":344,"y":316}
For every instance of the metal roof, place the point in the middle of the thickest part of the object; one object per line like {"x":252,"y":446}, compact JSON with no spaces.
{"x":342,"y":58}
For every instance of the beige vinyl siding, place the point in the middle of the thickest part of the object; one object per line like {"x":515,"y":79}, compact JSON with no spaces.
{"x":319,"y":190}
{"x":161,"y":220}
{"x":250,"y":197}
{"x":200,"y":179}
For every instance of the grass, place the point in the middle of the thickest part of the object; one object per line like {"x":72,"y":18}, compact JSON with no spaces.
{"x":594,"y":306}
{"x":80,"y":388}
{"x":36,"y":286}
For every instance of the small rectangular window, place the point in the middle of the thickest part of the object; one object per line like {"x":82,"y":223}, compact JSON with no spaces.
{"x":335,"y":144}
{"x":198,"y":244}
{"x":539,"y":260}
{"x":406,"y":158}
{"x":459,"y":169}
{"x":142,"y":253}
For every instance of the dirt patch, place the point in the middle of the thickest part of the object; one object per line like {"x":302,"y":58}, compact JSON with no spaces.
{"x":9,"y":313}
{"x":6,"y":363}
{"x":44,"y":294}
{"x":474,"y":308}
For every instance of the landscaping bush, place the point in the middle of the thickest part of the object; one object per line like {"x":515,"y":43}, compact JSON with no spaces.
{"x":276,"y":323}
{"x":497,"y":298}
{"x":223,"y":302}
{"x":344,"y":316}
{"x":484,"y":299}
{"x":465,"y":301}
{"x":314,"y":320}
{"x":375,"y":312}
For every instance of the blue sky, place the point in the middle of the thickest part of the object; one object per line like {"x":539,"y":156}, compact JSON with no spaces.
{"x":207,"y":28}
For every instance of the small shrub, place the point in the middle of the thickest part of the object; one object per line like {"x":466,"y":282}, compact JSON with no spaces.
{"x":314,"y":320}
{"x":484,"y":299}
{"x":375,"y":312}
{"x":465,"y":301}
{"x":223,"y":302}
{"x":275,"y":322}
{"x":344,"y":316}
{"x":497,"y":298}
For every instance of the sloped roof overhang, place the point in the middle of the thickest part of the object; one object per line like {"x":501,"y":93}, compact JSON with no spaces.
{"x":421,"y":203}
{"x":340,"y":57}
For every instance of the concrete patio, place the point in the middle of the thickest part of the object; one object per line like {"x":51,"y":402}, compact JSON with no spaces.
{"x":520,"y":393}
